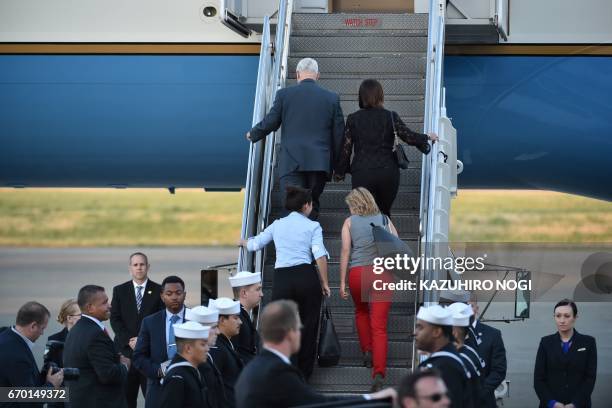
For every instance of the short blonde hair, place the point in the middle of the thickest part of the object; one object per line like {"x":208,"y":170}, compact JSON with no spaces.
{"x":361,"y":202}
{"x":66,"y":310}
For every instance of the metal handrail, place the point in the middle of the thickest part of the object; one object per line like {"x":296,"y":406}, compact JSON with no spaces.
{"x":281,"y":54}
{"x":253,"y":178}
{"x":434,"y":103}
{"x":271,"y":76}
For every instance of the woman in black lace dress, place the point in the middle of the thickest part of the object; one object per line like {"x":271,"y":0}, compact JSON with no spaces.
{"x":369,"y":132}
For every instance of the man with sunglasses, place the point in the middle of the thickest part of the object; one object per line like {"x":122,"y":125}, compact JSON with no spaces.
{"x":423,"y":389}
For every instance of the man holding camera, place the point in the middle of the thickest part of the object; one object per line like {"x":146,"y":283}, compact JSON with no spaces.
{"x":18,"y":368}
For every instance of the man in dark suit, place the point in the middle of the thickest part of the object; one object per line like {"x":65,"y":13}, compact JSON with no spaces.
{"x":270,"y":380}
{"x":491,"y":349}
{"x":132,"y":302}
{"x":18,"y":368}
{"x":313,"y":127}
{"x":103,"y":371}
{"x":156,"y":344}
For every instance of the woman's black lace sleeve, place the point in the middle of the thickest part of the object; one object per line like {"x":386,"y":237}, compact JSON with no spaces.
{"x":407,"y":135}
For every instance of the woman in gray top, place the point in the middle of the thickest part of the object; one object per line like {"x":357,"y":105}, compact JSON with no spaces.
{"x":372,"y":302}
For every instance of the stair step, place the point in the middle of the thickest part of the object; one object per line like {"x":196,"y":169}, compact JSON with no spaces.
{"x":334,"y":247}
{"x":366,"y":65}
{"x":405,"y":107}
{"x":356,"y":22}
{"x":348,"y":43}
{"x":407,"y":225}
{"x":396,"y":350}
{"x":410,"y":179}
{"x":334,"y":200}
{"x":403,"y":297}
{"x":351,"y":379}
{"x":392,"y":87}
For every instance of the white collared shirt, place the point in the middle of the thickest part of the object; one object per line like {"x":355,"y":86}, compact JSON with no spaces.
{"x":144,"y":287}
{"x":279,"y":354}
{"x":179,"y":321}
{"x":297,"y":239}
{"x":29,"y":342}
{"x":99,"y":323}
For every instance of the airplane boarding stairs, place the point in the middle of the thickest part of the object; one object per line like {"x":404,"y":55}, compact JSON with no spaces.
{"x":392,"y":48}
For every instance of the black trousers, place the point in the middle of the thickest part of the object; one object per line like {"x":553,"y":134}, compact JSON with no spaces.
{"x":312,"y":180}
{"x":301,"y":284}
{"x":382,"y":182}
{"x":135,"y":380}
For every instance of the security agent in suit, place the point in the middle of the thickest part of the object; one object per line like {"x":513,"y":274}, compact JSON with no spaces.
{"x":103,"y":371}
{"x":433,"y":335}
{"x":492,"y":350}
{"x":224,"y":355}
{"x":18,"y":368}
{"x":566,"y":363}
{"x":269,"y":380}
{"x":132,"y":302}
{"x":156,"y":344}
{"x":183,"y":385}
{"x":247,"y":290}
{"x":313,"y":127}
{"x":210,"y":374}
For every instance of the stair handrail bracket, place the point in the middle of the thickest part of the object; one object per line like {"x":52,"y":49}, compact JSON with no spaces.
{"x":438,"y":176}
{"x":271,"y":76}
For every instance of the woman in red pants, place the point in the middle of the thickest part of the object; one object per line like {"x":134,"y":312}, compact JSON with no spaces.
{"x":371,"y":306}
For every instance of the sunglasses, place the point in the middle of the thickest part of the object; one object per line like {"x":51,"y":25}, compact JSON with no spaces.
{"x":435,"y":397}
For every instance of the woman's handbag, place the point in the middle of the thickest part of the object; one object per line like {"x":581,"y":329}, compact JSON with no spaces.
{"x":399,"y":149}
{"x":329,"y":346}
{"x":388,"y":246}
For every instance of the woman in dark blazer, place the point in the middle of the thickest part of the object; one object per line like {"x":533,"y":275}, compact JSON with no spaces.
{"x":68,"y":315}
{"x":369,"y":132}
{"x":566,"y":363}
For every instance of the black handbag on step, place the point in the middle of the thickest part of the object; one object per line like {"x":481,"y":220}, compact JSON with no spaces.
{"x":329,"y":346}
{"x":399,"y":149}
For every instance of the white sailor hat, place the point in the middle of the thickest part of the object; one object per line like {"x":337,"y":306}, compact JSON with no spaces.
{"x":191,"y":330}
{"x":245,"y":278}
{"x":202,"y":314}
{"x":435,"y":314}
{"x":462,"y":308}
{"x":455,"y":295}
{"x":460,"y":319}
{"x":225,"y":306}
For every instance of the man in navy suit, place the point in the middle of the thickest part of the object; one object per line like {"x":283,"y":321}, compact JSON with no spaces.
{"x":313,"y":127}
{"x":132,"y":302}
{"x":18,"y":368}
{"x":156,"y":344}
{"x":491,"y":349}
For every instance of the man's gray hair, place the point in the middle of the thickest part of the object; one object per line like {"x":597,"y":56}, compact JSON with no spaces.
{"x":308,"y":64}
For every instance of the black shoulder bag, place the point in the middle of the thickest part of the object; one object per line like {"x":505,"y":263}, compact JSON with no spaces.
{"x":399,"y":149}
{"x":329,"y":346}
